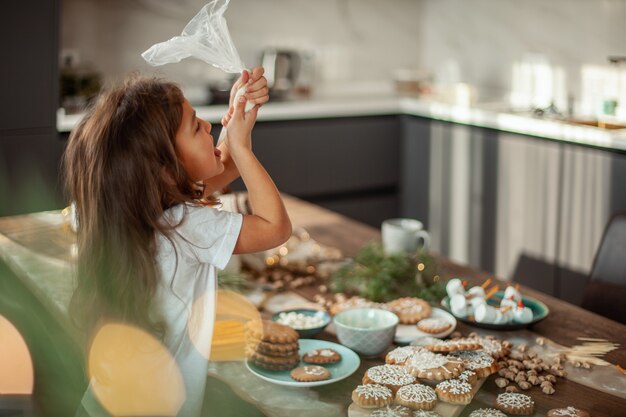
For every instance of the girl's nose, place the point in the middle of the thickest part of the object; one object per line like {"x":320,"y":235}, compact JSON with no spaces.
{"x":207,"y":125}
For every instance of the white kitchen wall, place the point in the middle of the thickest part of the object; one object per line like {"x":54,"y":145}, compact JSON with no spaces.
{"x":475,"y":41}
{"x":360,"y":40}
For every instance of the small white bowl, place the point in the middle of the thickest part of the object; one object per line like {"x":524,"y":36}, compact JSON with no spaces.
{"x":367,"y":331}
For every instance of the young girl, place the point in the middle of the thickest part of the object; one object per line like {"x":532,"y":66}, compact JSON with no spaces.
{"x":141,"y":168}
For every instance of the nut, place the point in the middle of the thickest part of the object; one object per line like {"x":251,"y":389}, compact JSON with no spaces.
{"x":511,"y":388}
{"x":509,"y":375}
{"x":540,"y":341}
{"x":533,"y":379}
{"x":532,"y":354}
{"x":524,"y":385}
{"x":548,"y":390}
{"x":506,"y":344}
{"x":550,"y":378}
{"x":546,"y":384}
{"x":502,"y":382}
{"x":520,"y":377}
{"x":522,"y":348}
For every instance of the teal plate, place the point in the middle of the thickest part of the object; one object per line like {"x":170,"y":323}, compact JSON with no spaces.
{"x":348,"y":364}
{"x":539,"y":309}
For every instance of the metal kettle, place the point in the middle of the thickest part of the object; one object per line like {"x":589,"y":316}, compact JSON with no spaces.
{"x":282,"y":67}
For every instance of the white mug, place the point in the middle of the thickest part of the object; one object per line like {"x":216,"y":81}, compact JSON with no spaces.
{"x":403,"y":235}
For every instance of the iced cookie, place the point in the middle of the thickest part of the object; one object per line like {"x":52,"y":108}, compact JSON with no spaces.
{"x":322,"y":356}
{"x":454,"y":392}
{"x":478,"y":361}
{"x":468,"y":376}
{"x":417,"y":397}
{"x":494,"y":347}
{"x":433,"y":366}
{"x":372,"y":396}
{"x":400,"y":355}
{"x":567,"y":412}
{"x":310,"y":373}
{"x":392,"y":411}
{"x":425,"y":413}
{"x":434,"y":325}
{"x":487,"y":412}
{"x":515,"y":403}
{"x":437,"y":345}
{"x":391,"y":376}
{"x":410,"y":310}
{"x":269,"y":331}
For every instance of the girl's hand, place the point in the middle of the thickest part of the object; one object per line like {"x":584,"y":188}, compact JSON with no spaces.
{"x":239,"y":135}
{"x":256,"y":90}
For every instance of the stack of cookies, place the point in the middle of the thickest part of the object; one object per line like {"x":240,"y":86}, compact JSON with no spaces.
{"x":271,"y":345}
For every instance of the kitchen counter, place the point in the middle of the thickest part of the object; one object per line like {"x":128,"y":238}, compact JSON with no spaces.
{"x":355,"y":104}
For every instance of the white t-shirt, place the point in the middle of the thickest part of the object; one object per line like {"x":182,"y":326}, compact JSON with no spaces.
{"x":187,"y":262}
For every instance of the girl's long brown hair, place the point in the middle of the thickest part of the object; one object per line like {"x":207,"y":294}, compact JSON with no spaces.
{"x":122,"y":171}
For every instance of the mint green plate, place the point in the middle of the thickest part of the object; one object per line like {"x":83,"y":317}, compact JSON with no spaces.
{"x":348,"y":364}
{"x":539,"y":309}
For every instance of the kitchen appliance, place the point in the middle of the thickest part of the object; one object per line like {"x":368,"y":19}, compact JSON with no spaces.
{"x":282,"y":68}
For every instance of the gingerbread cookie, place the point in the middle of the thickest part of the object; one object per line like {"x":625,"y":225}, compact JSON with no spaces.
{"x":391,"y":376}
{"x":487,"y":412}
{"x":468,"y":376}
{"x":515,"y":403}
{"x":434,"y":325}
{"x":478,"y":361}
{"x":310,"y":373}
{"x":353,"y":302}
{"x":410,"y":310}
{"x":392,"y":411}
{"x":437,"y":345}
{"x":269,"y":331}
{"x":272,"y":349}
{"x":322,"y":356}
{"x":400,"y":355}
{"x":454,"y":391}
{"x":425,"y":413}
{"x":433,"y":366}
{"x":417,"y":397}
{"x":494,"y":347}
{"x":567,"y":412}
{"x":272,"y":360}
{"x":372,"y":396}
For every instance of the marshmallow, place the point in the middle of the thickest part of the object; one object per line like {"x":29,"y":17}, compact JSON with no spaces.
{"x":454,"y":286}
{"x":458,"y":305}
{"x":522,"y":314}
{"x":477,"y":292}
{"x":485,"y":313}
{"x":508,"y":302}
{"x":511,"y":291}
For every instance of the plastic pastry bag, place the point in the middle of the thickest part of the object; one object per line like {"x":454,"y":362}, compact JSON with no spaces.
{"x":205,"y":37}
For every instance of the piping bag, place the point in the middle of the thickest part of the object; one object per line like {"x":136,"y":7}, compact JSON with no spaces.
{"x":205,"y":37}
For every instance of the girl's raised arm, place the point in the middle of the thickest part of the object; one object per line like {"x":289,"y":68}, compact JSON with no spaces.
{"x":268,"y":226}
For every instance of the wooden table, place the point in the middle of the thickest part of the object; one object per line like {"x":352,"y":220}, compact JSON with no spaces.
{"x":565,"y":323}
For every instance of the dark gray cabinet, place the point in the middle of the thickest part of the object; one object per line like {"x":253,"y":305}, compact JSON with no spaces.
{"x":350,"y":165}
{"x":526,"y":208}
{"x":30,"y":149}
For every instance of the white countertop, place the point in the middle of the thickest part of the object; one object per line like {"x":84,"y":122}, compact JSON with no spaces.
{"x":380,"y":104}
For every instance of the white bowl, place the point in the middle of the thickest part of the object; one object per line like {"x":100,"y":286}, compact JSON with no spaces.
{"x":367,"y":331}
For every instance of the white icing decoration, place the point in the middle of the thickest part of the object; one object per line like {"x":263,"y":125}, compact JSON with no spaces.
{"x":487,"y":412}
{"x":515,"y":400}
{"x":402,"y":354}
{"x":314,"y":370}
{"x":568,"y":412}
{"x":434,"y":323}
{"x":373,"y":391}
{"x":427,"y":360}
{"x":493,"y":347}
{"x":475,"y":359}
{"x":425,"y":413}
{"x":466,"y":375}
{"x":417,"y":392}
{"x":454,"y":386}
{"x":390,"y":374}
{"x":391,"y":411}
